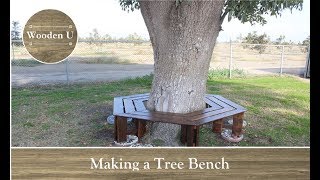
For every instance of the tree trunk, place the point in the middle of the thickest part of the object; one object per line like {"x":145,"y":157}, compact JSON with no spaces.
{"x":183,"y":38}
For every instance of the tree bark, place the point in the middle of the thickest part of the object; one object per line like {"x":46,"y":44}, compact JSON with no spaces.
{"x":183,"y":38}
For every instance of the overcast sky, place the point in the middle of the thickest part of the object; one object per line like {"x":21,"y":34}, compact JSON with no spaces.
{"x":108,"y":17}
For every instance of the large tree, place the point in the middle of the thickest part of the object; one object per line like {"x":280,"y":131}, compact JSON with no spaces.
{"x":183,"y":34}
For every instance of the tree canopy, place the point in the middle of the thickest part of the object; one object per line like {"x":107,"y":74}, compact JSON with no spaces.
{"x":244,"y":10}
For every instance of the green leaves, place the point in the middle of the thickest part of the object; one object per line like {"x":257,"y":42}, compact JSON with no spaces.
{"x":128,"y":5}
{"x":253,"y":11}
{"x":245,"y":10}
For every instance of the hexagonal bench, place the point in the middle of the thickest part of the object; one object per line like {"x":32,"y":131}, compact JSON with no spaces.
{"x":217,"y":108}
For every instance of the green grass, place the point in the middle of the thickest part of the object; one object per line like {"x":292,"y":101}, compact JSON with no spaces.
{"x":25,"y":62}
{"x":278,"y":111}
{"x":225,"y":73}
{"x":158,"y":142}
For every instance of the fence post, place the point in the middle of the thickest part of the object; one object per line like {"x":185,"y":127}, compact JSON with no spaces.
{"x":281,"y":63}
{"x":67,"y":70}
{"x":307,"y":67}
{"x":230,"y":62}
{"x":12,"y":49}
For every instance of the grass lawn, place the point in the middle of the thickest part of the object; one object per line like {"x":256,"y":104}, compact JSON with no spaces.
{"x":278,"y":112}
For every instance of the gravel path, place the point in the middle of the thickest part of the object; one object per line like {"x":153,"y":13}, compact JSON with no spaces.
{"x":56,"y":74}
{"x":49,"y":74}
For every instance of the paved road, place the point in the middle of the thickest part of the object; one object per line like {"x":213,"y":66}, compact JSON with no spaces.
{"x":53,"y":74}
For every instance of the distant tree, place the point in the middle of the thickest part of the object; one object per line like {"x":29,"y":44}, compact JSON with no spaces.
{"x":135,"y":38}
{"x":258,"y":40}
{"x":107,"y":37}
{"x":94,"y":36}
{"x":16,"y":33}
{"x":280,"y":40}
{"x":306,"y":44}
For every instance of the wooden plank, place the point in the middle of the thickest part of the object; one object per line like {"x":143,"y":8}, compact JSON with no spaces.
{"x":211,"y":113}
{"x":128,"y":106}
{"x":115,"y":128}
{"x":135,"y":96}
{"x":139,"y":105}
{"x":143,"y":98}
{"x":160,"y":114}
{"x":118,"y":106}
{"x":178,"y":116}
{"x":214,"y":105}
{"x":195,"y":113}
{"x":218,"y":116}
{"x":167,"y":118}
{"x":217,"y":126}
{"x":141,"y":128}
{"x":121,"y":129}
{"x":183,"y":136}
{"x":196,"y":135}
{"x":244,"y":163}
{"x":149,"y":117}
{"x":190,"y":136}
{"x":227,"y":101}
{"x":194,"y":118}
{"x":219,"y":102}
{"x":237,"y":125}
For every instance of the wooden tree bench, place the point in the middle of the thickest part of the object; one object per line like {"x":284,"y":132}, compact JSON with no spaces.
{"x":217,"y":108}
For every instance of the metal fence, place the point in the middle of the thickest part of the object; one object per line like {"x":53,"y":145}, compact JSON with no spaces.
{"x":95,"y":61}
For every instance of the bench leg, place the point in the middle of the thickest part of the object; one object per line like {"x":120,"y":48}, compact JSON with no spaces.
{"x":192,"y":135}
{"x":217,"y":126}
{"x":120,"y":129}
{"x":183,"y":137}
{"x":141,"y":128}
{"x":237,"y":125}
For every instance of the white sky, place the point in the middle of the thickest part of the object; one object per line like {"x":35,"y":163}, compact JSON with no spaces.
{"x":108,"y":17}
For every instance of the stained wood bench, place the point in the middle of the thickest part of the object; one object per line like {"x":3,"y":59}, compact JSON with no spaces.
{"x":217,"y":108}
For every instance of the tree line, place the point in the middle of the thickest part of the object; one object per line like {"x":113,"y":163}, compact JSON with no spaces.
{"x":261,"y":40}
{"x":93,"y":36}
{"x":250,"y":38}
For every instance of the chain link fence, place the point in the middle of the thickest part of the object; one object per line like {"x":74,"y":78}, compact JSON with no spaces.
{"x":100,"y":61}
{"x":260,"y":58}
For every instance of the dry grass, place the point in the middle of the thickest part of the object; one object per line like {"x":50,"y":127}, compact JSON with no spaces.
{"x":143,"y":54}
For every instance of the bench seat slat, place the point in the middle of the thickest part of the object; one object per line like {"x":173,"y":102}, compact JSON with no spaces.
{"x":212,"y":103}
{"x":227,"y":101}
{"x":118,"y":107}
{"x":133,"y":106}
{"x":138,"y":103}
{"x":128,"y":106}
